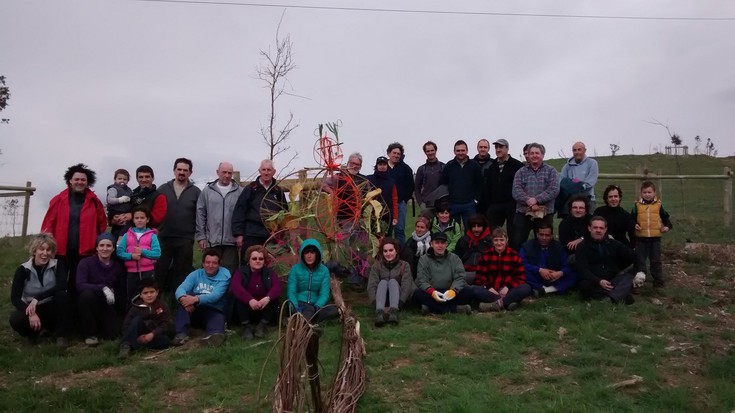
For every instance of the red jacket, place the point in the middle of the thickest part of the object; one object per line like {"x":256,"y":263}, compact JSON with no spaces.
{"x":500,"y":270}
{"x":92,"y":221}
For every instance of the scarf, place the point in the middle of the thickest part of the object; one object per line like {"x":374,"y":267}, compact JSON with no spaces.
{"x":476,"y":240}
{"x":422,"y":243}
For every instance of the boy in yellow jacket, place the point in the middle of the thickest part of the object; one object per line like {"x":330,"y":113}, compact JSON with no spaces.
{"x":651,"y":221}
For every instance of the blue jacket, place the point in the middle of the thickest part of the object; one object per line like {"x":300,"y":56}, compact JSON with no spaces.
{"x":306,"y":285}
{"x":210,"y":290}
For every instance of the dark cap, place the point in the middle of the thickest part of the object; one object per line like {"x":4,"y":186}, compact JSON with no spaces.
{"x":501,"y":142}
{"x":439,"y":236}
{"x":381,"y":159}
{"x":107,"y":236}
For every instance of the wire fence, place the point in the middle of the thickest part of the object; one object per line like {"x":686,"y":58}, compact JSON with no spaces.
{"x":14,"y":207}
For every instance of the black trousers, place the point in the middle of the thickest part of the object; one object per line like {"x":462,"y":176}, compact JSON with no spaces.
{"x":96,"y":317}
{"x":622,"y":286}
{"x":175,"y":263}
{"x":55,"y":315}
{"x":247,"y":315}
{"x":137,"y":328}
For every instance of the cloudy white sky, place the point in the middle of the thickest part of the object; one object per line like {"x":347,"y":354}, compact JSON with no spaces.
{"x":119,"y":83}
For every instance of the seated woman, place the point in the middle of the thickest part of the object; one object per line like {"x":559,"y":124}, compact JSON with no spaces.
{"x":97,"y":277}
{"x":257,"y":291}
{"x":38,"y":293}
{"x":475,"y":242}
{"x":573,"y":228}
{"x":417,"y":245}
{"x":390,"y":280}
{"x":443,"y":222}
{"x":308,"y":284}
{"x":500,"y":281}
{"x":620,"y":224}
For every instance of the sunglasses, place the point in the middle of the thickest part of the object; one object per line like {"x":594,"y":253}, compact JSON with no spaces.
{"x":257,"y":259}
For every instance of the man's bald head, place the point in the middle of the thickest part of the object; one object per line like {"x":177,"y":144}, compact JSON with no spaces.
{"x":224,"y":173}
{"x":579,"y":151}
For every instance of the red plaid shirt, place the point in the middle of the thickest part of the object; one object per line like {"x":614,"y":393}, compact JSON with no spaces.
{"x":500,"y":270}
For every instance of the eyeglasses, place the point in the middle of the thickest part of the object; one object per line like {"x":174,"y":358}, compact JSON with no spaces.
{"x":257,"y":259}
{"x":446,"y":211}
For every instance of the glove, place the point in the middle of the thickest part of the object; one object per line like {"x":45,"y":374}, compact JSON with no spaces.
{"x":124,"y":199}
{"x":639,"y":279}
{"x":449,"y":294}
{"x":436,"y":295}
{"x":109,"y":295}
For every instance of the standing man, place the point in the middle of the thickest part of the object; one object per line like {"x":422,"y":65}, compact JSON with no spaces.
{"x":247,"y":222}
{"x":147,"y":195}
{"x":464,"y":182}
{"x":215,"y":216}
{"x":535,"y":187}
{"x":605,"y":266}
{"x":427,"y":176}
{"x":403,"y":175}
{"x":484,"y":160}
{"x":580,"y":168}
{"x":499,"y":176}
{"x":176,"y":233}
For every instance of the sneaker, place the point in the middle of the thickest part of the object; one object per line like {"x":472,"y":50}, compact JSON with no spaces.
{"x":214,"y":340}
{"x":491,"y":307}
{"x":260,"y":329}
{"x":380,"y":318}
{"x":425,"y":309}
{"x":91,"y":341}
{"x":247,"y":333}
{"x":124,"y":351}
{"x":180,"y":339}
{"x":464,"y":309}
{"x":393,"y":316}
{"x":62,"y":342}
{"x":513,"y":306}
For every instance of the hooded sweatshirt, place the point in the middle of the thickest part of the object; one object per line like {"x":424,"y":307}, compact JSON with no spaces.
{"x":308,"y":285}
{"x":211,"y":290}
{"x":156,"y":317}
{"x":585,"y":171}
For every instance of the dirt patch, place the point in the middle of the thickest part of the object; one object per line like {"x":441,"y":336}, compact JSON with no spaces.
{"x":399,"y":363}
{"x":718,"y":254}
{"x":534,"y":366}
{"x":184,"y":396}
{"x":82,"y":379}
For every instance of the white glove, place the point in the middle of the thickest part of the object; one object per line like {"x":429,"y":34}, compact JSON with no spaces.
{"x":639,"y":278}
{"x":124,"y":199}
{"x":109,"y":295}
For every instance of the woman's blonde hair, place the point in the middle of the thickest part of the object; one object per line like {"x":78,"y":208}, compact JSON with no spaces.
{"x":39,"y":240}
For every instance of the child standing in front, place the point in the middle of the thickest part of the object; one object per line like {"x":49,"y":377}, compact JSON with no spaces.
{"x":139,"y":248}
{"x":651,"y":221}
{"x":148,"y":322}
{"x":118,"y":201}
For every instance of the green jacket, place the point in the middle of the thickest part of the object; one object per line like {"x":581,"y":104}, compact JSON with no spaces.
{"x":306,"y":285}
{"x":453,"y":231}
{"x":440,"y":273}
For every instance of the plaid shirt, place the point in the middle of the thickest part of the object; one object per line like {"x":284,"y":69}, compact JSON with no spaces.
{"x":542,"y":184}
{"x":500,"y":270}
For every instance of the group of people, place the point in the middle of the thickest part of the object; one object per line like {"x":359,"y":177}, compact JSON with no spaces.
{"x":80,"y":276}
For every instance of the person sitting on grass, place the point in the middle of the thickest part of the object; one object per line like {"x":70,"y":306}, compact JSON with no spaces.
{"x":38,"y":293}
{"x":500,"y":281}
{"x":619,"y":221}
{"x":97,"y":278}
{"x":441,"y":287}
{"x":417,"y":244}
{"x":444,"y":223}
{"x":389,"y":281}
{"x":308,"y":284}
{"x":545,"y":262}
{"x":148,"y":322}
{"x":202,"y":299}
{"x":257,"y":291}
{"x":605,"y":266}
{"x":475,"y":242}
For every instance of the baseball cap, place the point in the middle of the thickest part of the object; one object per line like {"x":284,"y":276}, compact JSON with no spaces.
{"x":501,"y":142}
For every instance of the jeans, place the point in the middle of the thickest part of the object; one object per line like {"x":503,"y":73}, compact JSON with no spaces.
{"x":211,"y":318}
{"x":501,"y":213}
{"x":462,"y":212}
{"x":400,"y":228}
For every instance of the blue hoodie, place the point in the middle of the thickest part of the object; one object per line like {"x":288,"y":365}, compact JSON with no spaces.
{"x":210,"y":290}
{"x":306,"y":285}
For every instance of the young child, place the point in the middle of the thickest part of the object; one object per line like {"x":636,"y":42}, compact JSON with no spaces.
{"x":651,"y":221}
{"x":139,"y":248}
{"x":118,"y":200}
{"x":148,"y":322}
{"x":390,"y":282}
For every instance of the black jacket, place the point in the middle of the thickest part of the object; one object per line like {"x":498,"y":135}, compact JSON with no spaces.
{"x":180,"y":221}
{"x":464,"y":182}
{"x":499,"y":185}
{"x":598,"y":260}
{"x":246,"y":219}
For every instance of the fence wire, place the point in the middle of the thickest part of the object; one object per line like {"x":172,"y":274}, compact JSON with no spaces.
{"x":11,"y":216}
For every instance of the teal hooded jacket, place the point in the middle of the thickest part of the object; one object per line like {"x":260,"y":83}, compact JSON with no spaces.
{"x":307,"y":285}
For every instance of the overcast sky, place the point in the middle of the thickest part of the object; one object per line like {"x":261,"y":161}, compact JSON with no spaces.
{"x":122,"y":83}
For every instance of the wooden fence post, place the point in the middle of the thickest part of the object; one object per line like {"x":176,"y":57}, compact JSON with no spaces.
{"x":727,"y":204}
{"x":26,"y":207}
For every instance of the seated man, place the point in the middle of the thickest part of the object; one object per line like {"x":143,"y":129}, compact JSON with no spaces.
{"x":475,"y":242}
{"x":605,"y":266}
{"x":573,"y":228}
{"x":440,"y":280}
{"x":545,"y":261}
{"x":500,"y":280}
{"x":202,"y":300}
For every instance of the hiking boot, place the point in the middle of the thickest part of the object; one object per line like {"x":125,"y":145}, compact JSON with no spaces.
{"x":425,"y":309}
{"x":214,"y":340}
{"x":380,"y":318}
{"x":180,"y":339}
{"x":393,"y":316}
{"x":91,"y":341}
{"x":260,"y":329}
{"x":124,"y":351}
{"x":491,"y":307}
{"x":62,"y":342}
{"x":513,"y":306}
{"x":247,"y":333}
{"x":464,"y":309}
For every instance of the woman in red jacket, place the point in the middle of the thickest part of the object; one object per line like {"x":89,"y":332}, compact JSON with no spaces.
{"x":75,"y":217}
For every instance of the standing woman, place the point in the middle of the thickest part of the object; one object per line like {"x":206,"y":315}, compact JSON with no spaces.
{"x":39,"y":293}
{"x":75,"y":217}
{"x":97,"y":278}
